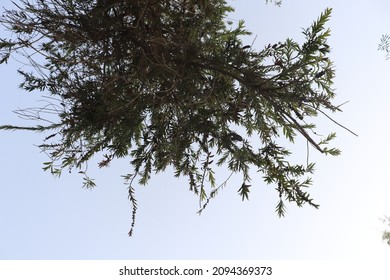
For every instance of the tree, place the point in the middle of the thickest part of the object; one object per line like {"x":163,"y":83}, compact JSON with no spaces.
{"x":170,"y":83}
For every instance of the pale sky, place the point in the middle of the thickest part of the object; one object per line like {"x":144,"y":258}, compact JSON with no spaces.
{"x":42,"y":217}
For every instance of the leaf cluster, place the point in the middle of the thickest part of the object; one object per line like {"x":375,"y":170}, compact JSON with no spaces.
{"x":384,"y":45}
{"x":386,"y":233}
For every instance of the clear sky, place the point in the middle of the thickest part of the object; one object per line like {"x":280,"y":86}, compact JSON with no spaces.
{"x":42,"y":217}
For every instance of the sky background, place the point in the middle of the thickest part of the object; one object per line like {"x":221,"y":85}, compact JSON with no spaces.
{"x":42,"y":217}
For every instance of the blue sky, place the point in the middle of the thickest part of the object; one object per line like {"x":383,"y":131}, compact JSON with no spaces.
{"x":42,"y":217}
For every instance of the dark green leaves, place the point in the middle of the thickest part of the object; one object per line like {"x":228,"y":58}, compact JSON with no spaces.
{"x":31,"y":82}
{"x":5,"y":50}
{"x":244,"y":191}
{"x":326,"y":150}
{"x":88,"y":183}
{"x":317,"y":30}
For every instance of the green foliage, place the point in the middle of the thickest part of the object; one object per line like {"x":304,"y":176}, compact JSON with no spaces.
{"x":384,"y":45}
{"x":165,"y":83}
{"x":386,"y":233}
{"x":276,"y":2}
{"x":244,"y":191}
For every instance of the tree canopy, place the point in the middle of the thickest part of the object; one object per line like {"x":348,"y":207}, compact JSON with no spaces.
{"x":170,"y":83}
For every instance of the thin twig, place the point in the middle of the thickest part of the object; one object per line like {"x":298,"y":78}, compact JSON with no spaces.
{"x":214,"y":192}
{"x":322,"y":112}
